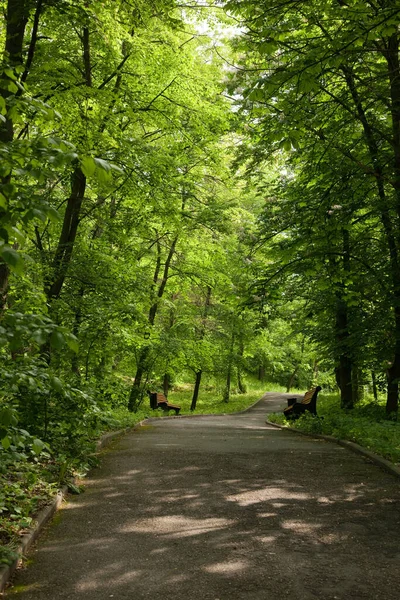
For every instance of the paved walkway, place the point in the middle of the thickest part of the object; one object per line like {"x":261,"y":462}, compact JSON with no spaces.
{"x":223,"y":508}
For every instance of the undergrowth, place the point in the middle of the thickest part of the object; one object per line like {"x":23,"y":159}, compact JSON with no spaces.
{"x":365,"y":424}
{"x":31,"y":473}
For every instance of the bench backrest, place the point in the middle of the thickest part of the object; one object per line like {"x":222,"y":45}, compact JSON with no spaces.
{"x":310,"y":398}
{"x":156,"y":399}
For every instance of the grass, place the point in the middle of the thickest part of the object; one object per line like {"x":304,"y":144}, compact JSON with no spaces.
{"x":365,"y":424}
{"x":210,"y":399}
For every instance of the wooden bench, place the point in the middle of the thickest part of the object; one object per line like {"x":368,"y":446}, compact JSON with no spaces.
{"x":296,"y":408}
{"x":160,"y":401}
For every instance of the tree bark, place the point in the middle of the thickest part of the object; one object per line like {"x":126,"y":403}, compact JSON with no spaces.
{"x":196,"y":390}
{"x":374,"y":386}
{"x":343,"y":335}
{"x":227,"y":391}
{"x":390,"y":229}
{"x":67,"y":238}
{"x":291,"y":379}
{"x":202,"y":333}
{"x":241,"y":384}
{"x":70,"y":225}
{"x":392,"y":57}
{"x":16,"y":19}
{"x":166,"y":384}
{"x":136,"y":395}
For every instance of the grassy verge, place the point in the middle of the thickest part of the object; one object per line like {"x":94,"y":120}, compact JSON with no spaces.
{"x":366,"y":425}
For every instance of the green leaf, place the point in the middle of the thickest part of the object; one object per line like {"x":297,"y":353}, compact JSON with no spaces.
{"x":53,"y":214}
{"x":102,"y":164}
{"x":39,"y":336}
{"x":56,"y":384}
{"x":103,"y":176}
{"x":7,"y":417}
{"x":5,"y":442}
{"x":11,"y":87}
{"x":88,"y":166}
{"x":12,"y":258}
{"x":15,"y":233}
{"x":72,"y":343}
{"x":10,"y":74}
{"x":57,"y":340}
{"x":37,"y":446}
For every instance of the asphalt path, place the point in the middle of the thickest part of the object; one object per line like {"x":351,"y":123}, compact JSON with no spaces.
{"x":223,"y":508}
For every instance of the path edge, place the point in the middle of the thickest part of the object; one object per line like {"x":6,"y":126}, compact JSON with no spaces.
{"x":378,"y":460}
{"x":47,"y":513}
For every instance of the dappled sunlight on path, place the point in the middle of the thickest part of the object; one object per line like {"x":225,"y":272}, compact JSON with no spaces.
{"x":223,"y":508}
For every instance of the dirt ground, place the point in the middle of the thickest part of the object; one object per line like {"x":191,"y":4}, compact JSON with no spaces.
{"x":223,"y":508}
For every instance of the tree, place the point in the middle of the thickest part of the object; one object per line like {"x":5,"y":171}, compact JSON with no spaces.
{"x":316,"y":70}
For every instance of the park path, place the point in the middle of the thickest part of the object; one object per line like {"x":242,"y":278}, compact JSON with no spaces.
{"x":223,"y":508}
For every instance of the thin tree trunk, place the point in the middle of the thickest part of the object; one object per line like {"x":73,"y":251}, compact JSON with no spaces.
{"x":75,"y":330}
{"x":315,"y":373}
{"x":374,"y":386}
{"x":69,"y":231}
{"x":392,"y":57}
{"x":291,"y":379}
{"x":241,"y":384}
{"x":355,"y":382}
{"x":227,"y":391}
{"x":71,"y":220}
{"x":201,"y":337}
{"x":391,"y":232}
{"x":136,"y":394}
{"x":343,"y":335}
{"x":196,"y":390}
{"x":166,"y":384}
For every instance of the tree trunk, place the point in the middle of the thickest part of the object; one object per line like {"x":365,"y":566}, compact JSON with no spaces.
{"x":241,"y":384}
{"x":315,"y":373}
{"x":291,"y":379}
{"x":358,"y":388}
{"x":390,"y":52}
{"x":75,"y":330}
{"x":261,"y":373}
{"x":137,"y":392}
{"x":166,"y":384}
{"x":69,"y":230}
{"x":16,"y":20}
{"x":196,"y":390}
{"x":227,"y":391}
{"x":374,"y":386}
